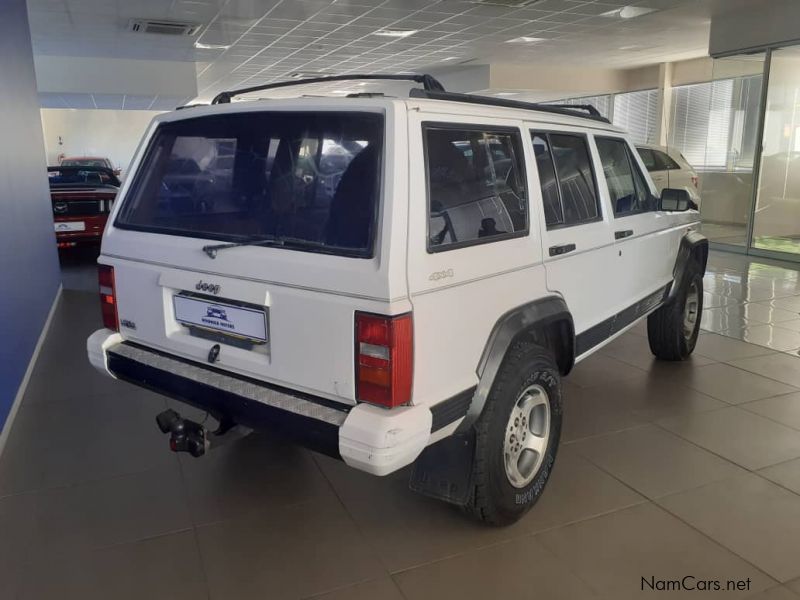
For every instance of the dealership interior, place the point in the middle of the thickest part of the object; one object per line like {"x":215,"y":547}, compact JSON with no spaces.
{"x":672,"y":478}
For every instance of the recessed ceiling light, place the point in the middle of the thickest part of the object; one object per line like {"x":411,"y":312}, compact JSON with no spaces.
{"x":525,"y":39}
{"x":628,"y":12}
{"x":203,"y":46}
{"x":396,"y":33}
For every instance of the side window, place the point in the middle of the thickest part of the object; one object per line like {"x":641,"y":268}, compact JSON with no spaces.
{"x":551,"y":197}
{"x":626,"y":185}
{"x":476,"y":192}
{"x":649,"y":159}
{"x":665,"y":161}
{"x":566,"y":177}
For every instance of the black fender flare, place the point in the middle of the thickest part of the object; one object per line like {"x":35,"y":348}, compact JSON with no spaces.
{"x":692,"y":244}
{"x":525,"y":318}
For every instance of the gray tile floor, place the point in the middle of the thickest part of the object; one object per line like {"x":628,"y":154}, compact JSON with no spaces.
{"x":666,"y":470}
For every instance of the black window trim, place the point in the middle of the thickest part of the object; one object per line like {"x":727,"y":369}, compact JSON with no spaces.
{"x":520,"y":162}
{"x":598,"y":201}
{"x":640,"y":150}
{"x":660,"y":153}
{"x":634,"y":165}
{"x":376,"y":236}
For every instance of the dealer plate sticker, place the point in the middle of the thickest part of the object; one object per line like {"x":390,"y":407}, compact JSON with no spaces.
{"x":70,"y":226}
{"x":237,"y":320}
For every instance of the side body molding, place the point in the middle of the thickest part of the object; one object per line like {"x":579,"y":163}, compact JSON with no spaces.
{"x":533,"y":318}
{"x":694,"y":245}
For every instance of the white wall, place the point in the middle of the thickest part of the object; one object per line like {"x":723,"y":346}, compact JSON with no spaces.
{"x":111,"y":133}
{"x":93,"y":75}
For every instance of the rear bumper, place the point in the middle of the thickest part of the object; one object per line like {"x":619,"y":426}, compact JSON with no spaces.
{"x":366,"y":437}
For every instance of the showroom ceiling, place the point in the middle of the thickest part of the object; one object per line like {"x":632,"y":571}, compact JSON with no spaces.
{"x":246,"y":42}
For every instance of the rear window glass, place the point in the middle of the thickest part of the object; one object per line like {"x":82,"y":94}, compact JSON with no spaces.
{"x":305,"y":181}
{"x":77,"y":176}
{"x":475,"y":186}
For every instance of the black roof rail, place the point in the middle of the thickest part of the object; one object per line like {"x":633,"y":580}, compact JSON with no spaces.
{"x":560,"y":109}
{"x":429,"y":82}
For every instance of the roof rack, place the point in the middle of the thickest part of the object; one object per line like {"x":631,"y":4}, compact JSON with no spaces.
{"x":430,"y":83}
{"x":569,"y":110}
{"x":432,"y":89}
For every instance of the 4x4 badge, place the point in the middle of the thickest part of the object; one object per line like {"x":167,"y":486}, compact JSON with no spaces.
{"x":211,"y":288}
{"x":437,"y":275}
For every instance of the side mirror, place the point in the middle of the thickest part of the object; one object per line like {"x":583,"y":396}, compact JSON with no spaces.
{"x":675,"y":200}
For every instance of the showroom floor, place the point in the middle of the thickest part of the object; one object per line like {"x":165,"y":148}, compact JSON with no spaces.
{"x":666,"y":471}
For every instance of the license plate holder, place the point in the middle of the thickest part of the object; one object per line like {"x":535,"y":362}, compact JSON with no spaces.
{"x":69,"y":226}
{"x":241,"y":322}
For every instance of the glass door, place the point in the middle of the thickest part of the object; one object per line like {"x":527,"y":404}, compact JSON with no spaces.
{"x":776,"y":221}
{"x":727,"y":110}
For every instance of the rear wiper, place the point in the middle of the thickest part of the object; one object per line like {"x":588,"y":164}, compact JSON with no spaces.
{"x":271,"y":240}
{"x":212,"y":250}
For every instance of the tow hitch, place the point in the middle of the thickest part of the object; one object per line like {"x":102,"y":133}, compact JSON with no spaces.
{"x":189,"y":436}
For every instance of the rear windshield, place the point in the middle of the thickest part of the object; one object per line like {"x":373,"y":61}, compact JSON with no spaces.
{"x":307,"y":181}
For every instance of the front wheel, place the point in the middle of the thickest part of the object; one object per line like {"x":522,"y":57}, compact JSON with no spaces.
{"x":672,"y":330}
{"x":517,"y":436}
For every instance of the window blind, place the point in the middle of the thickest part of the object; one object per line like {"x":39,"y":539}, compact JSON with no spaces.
{"x":637,"y":113}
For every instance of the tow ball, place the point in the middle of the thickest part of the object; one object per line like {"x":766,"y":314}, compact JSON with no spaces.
{"x":184,"y":435}
{"x":189,"y":436}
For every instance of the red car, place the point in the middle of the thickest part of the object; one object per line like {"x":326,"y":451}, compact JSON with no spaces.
{"x":82,"y":199}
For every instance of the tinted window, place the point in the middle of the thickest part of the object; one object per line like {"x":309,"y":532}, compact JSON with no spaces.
{"x":626,"y":185}
{"x":649,"y":159}
{"x":665,"y":162}
{"x":475,"y":186}
{"x":85,"y":162}
{"x":308,"y":181}
{"x":553,"y":214}
{"x":565,"y":158}
{"x":81,"y":176}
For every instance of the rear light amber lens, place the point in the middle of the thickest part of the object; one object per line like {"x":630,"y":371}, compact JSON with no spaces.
{"x":108,"y":297}
{"x":384,"y":359}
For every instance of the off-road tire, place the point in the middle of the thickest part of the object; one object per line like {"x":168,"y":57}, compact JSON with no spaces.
{"x":494,"y":500}
{"x":665,"y":327}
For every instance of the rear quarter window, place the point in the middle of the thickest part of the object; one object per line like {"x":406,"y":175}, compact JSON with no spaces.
{"x":475,"y":185}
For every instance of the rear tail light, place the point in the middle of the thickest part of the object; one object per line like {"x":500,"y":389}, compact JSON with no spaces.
{"x":384,"y":359}
{"x":108,"y":297}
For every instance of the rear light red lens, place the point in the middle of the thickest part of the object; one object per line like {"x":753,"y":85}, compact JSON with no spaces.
{"x":384,"y":359}
{"x":108,"y":297}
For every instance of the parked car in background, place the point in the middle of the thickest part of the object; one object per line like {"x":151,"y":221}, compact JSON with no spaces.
{"x":669,"y":169}
{"x":90,"y":161}
{"x":82,"y":198}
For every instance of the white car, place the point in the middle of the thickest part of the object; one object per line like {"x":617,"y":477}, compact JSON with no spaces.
{"x":669,"y":169}
{"x":424,"y":311}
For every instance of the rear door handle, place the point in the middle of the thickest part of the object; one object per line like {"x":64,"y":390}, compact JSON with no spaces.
{"x":563,"y":249}
{"x":618,"y":235}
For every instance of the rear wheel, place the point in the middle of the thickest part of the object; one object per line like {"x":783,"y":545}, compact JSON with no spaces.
{"x":672,"y":330}
{"x":517,"y":436}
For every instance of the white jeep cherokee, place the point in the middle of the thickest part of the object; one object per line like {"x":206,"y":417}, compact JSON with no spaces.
{"x":391,"y":280}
